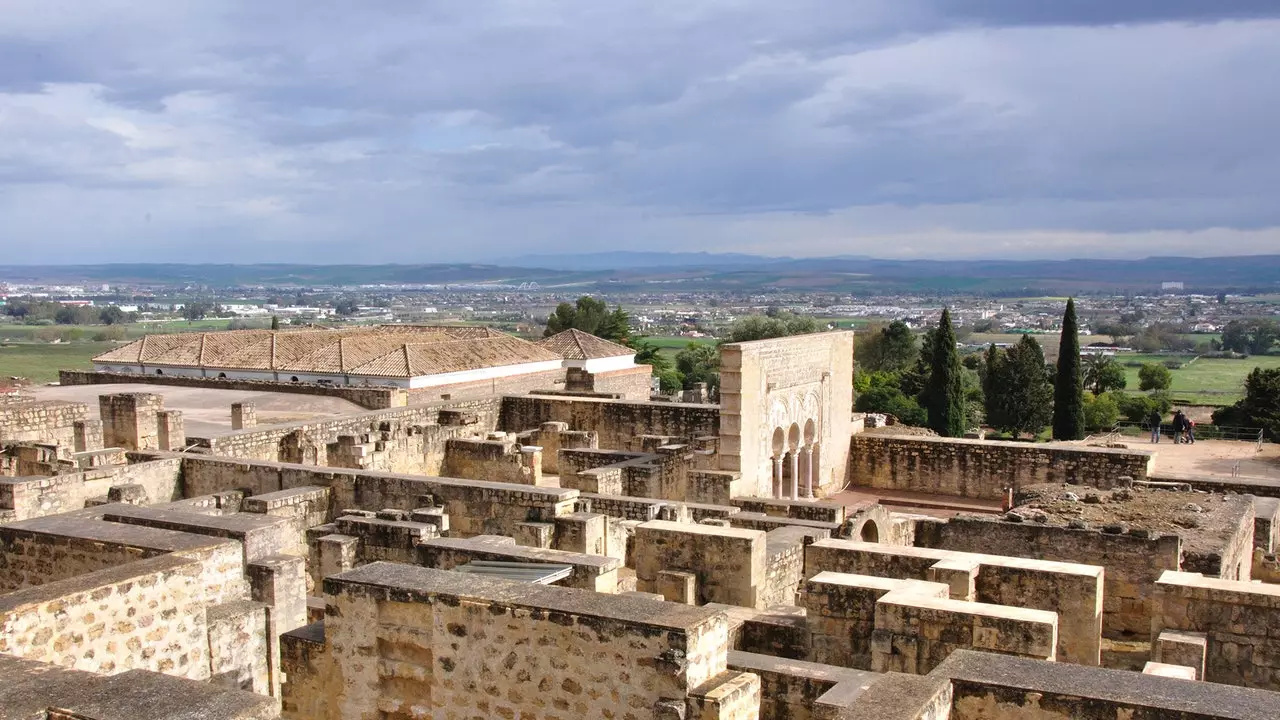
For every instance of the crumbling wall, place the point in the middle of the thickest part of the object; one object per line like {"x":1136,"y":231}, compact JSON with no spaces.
{"x":729,"y":564}
{"x":496,"y":460}
{"x":982,"y":469}
{"x":1132,"y":561}
{"x":1240,"y":622}
{"x":616,"y":422}
{"x":445,"y":640}
{"x":46,"y":422}
{"x":28,"y":498}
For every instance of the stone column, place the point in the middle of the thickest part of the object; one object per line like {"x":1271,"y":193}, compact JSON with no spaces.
{"x":808,"y":471}
{"x":243,"y":415}
{"x":777,"y":476}
{"x":795,"y":474}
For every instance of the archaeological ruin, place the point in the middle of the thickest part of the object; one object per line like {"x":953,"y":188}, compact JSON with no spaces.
{"x":453,"y":523}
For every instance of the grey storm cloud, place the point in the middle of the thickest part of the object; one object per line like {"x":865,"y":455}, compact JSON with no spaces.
{"x":419,"y":131}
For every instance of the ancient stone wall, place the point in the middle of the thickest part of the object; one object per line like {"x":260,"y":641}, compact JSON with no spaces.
{"x":412,"y":439}
{"x":590,"y":572}
{"x":26,"y":498}
{"x":729,"y":564}
{"x":627,"y":384}
{"x":496,"y":460}
{"x":782,"y":397}
{"x":475,"y":507}
{"x":982,"y":469}
{"x":45,"y":422}
{"x":374,"y":398}
{"x":1240,"y":622}
{"x":443,"y":640}
{"x":616,"y":422}
{"x":1073,"y":591}
{"x":1132,"y":562}
{"x":997,"y":687}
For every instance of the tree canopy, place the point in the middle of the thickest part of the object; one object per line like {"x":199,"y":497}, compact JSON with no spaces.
{"x":892,"y":348}
{"x":944,"y":394}
{"x":765,"y":327}
{"x":591,"y":316}
{"x":1103,"y":373}
{"x":1260,"y":407}
{"x":1019,"y":396}
{"x":1153,"y":376}
{"x":1068,"y":384}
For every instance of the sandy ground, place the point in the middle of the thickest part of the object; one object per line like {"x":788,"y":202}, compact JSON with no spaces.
{"x":207,"y":412}
{"x":1218,"y":458}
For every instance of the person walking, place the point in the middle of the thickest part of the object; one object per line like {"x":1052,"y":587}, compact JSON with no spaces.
{"x":1154,"y":421}
{"x":1191,"y":431}
{"x":1179,"y":427}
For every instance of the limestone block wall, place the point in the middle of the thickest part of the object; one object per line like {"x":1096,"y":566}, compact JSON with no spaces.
{"x":412,"y":439}
{"x":1073,"y":591}
{"x":790,"y":689}
{"x":483,"y":647}
{"x":46,"y":422}
{"x":129,"y":420}
{"x":616,"y":422}
{"x":146,"y":615}
{"x":553,"y":437}
{"x":784,"y":565}
{"x":38,"y":497}
{"x":998,"y":687}
{"x":496,"y":460}
{"x":627,"y":384}
{"x":1241,"y":622}
{"x":729,"y":563}
{"x":475,"y":507}
{"x":982,"y":469}
{"x":590,"y":572}
{"x":841,"y":612}
{"x":1229,"y":560}
{"x":239,"y":645}
{"x":800,"y":387}
{"x":1132,"y":562}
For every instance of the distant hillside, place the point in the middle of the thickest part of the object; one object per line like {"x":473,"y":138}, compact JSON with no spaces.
{"x":623,"y":271}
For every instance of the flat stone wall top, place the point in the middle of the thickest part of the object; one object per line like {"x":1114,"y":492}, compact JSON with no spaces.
{"x":1164,"y":697}
{"x":30,"y":688}
{"x":1009,"y":444}
{"x":695,"y":529}
{"x":85,"y":526}
{"x":405,"y":583}
{"x":478,"y":546}
{"x":370,"y":397}
{"x":98,"y":578}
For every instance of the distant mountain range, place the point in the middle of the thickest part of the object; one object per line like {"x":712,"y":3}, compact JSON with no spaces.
{"x":622,"y":271}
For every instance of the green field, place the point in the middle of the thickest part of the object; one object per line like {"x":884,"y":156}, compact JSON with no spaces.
{"x":70,"y":333}
{"x":40,"y":362}
{"x":1206,"y":381}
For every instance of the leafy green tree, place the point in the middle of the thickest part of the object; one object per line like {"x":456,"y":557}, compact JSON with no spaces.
{"x":66,"y":316}
{"x":1102,"y":373}
{"x":892,"y":348}
{"x":944,"y":394}
{"x":765,"y":327}
{"x":1068,"y":384}
{"x":699,"y":363}
{"x":615,"y":327}
{"x":1153,"y":376}
{"x":1260,"y":407}
{"x":890,"y":400}
{"x":586,"y":315}
{"x":669,"y":379}
{"x":1100,"y":411}
{"x":1019,"y":395}
{"x":195,"y":310}
{"x":112,"y":315}
{"x":1263,"y":334}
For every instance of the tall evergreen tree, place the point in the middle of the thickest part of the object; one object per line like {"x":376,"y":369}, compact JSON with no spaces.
{"x":1019,"y":392}
{"x":275,"y":322}
{"x":944,"y":393}
{"x":1068,"y":384}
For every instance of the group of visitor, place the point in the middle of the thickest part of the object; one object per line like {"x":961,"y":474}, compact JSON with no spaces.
{"x":1183,"y":427}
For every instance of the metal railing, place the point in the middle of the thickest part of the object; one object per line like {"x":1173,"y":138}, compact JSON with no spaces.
{"x":1204,"y":431}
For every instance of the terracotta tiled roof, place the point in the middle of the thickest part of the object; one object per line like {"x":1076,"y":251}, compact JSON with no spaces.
{"x":382,"y":351}
{"x":573,"y":344}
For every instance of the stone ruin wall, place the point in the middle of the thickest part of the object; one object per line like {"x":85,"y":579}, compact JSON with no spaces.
{"x":41,"y":422}
{"x":617,"y":423}
{"x":27,"y":498}
{"x":982,"y":469}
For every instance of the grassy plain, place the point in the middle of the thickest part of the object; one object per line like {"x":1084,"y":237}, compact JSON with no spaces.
{"x":1200,"y":381}
{"x":40,"y":362}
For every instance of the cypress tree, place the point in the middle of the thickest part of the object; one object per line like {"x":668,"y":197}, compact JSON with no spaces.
{"x":275,"y":323}
{"x":1068,"y":385}
{"x":944,"y":394}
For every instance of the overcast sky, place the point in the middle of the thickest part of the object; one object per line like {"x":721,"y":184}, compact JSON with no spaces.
{"x":445,"y":130}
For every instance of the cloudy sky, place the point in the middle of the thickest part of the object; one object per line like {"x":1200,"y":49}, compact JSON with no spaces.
{"x":445,"y":130}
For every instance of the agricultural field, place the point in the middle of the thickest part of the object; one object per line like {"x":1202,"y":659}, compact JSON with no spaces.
{"x":40,"y":362}
{"x":670,"y":346}
{"x":1200,"y":381}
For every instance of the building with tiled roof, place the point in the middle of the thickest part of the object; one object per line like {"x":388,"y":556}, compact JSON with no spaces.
{"x":389,"y":355}
{"x":587,"y":352}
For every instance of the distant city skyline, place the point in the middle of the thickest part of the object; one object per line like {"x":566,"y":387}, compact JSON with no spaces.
{"x":291,"y":131}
